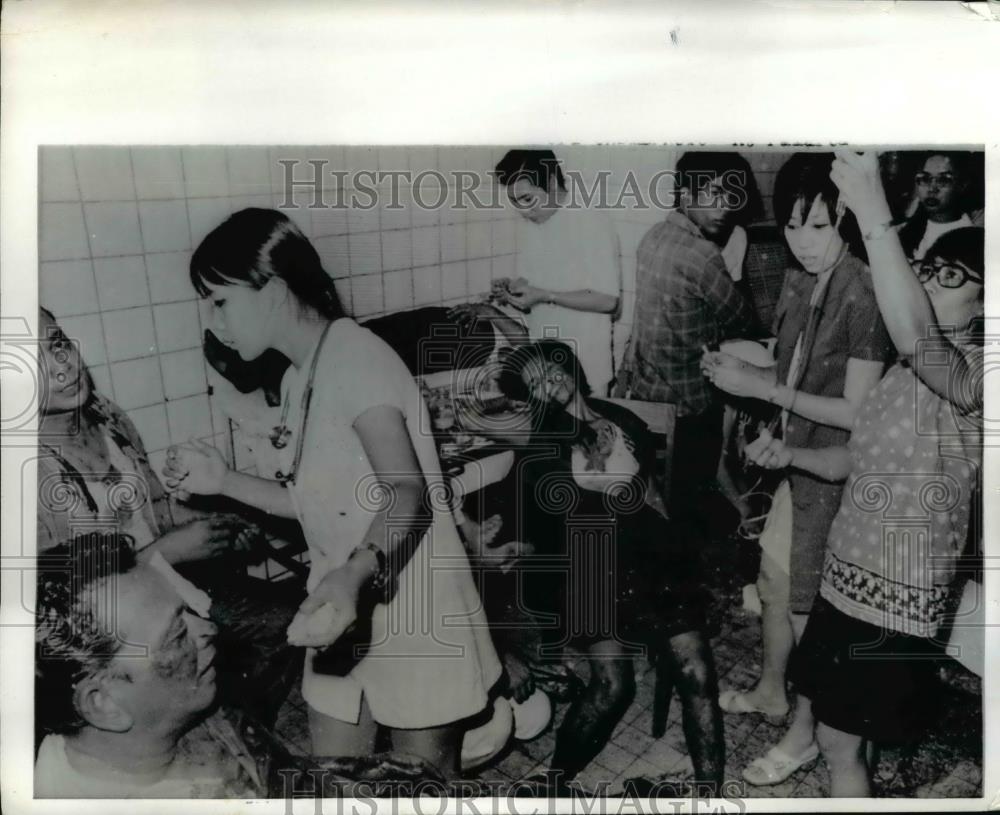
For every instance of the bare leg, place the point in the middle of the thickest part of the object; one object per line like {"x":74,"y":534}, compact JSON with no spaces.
{"x":591,"y":718}
{"x":333,"y":737}
{"x":695,"y":679}
{"x":801,"y":731}
{"x":845,"y":756}
{"x":778,"y":638}
{"x":439,"y":746}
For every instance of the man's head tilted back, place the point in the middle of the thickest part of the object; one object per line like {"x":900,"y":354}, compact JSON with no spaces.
{"x":118,"y":647}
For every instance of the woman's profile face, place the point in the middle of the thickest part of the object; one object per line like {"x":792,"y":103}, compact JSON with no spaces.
{"x":64,"y":380}
{"x":548,"y":382}
{"x":813,"y":239}
{"x":238,"y":318}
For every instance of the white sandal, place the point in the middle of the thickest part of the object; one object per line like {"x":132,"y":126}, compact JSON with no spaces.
{"x":776,"y":766}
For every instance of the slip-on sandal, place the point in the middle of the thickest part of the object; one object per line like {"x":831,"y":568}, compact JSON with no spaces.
{"x":734,"y":701}
{"x":776,"y":766}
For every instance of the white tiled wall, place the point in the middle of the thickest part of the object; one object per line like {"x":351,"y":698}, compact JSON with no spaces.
{"x":118,"y":225}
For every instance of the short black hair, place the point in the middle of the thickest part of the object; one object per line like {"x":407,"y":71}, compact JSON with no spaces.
{"x":73,"y":640}
{"x":964,"y":245}
{"x":252,"y":246}
{"x":800,"y":180}
{"x":538,"y":166}
{"x":697,"y":167}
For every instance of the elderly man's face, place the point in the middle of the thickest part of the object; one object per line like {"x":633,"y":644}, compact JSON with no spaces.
{"x":163,"y":674}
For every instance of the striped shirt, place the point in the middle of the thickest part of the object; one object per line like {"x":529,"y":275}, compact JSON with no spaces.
{"x":685,"y":299}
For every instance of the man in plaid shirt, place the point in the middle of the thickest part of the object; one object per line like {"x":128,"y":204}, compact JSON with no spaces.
{"x":686,"y":301}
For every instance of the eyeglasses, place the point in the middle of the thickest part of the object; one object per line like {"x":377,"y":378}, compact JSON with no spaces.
{"x":948,"y":275}
{"x":942,"y":180}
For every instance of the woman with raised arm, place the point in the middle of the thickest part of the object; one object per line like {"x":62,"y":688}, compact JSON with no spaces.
{"x":867,"y":657}
{"x":830,"y":352}
{"x":360,"y":473}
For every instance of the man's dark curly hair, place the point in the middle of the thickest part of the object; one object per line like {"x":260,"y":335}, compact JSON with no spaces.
{"x":75,"y":635}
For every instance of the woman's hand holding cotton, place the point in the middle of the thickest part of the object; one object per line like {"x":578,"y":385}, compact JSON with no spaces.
{"x":196,"y":468}
{"x":328,"y":611}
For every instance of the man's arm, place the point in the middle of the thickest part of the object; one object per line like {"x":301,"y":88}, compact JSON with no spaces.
{"x":734,"y":316}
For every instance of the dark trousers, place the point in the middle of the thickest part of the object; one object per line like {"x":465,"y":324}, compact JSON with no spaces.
{"x":695,"y":463}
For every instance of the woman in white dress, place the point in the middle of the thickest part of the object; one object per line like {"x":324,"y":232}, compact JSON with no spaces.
{"x":360,"y":473}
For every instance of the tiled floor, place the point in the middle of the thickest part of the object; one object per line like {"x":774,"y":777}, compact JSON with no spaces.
{"x":948,"y":764}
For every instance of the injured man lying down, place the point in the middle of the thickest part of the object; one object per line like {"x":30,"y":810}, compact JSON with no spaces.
{"x":126,"y":696}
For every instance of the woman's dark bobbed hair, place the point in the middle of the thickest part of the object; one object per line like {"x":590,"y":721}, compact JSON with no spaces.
{"x":254,"y":245}
{"x":803,"y":177}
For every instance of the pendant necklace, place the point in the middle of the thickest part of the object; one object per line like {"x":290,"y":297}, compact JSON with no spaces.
{"x":281,"y":434}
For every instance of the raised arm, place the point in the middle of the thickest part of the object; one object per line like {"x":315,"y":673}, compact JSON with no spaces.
{"x":906,"y":309}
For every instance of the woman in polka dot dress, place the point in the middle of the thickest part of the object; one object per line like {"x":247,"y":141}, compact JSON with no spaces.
{"x":868,"y":653}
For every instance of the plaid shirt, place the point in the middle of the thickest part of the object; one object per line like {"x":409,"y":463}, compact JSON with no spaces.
{"x":684,"y":299}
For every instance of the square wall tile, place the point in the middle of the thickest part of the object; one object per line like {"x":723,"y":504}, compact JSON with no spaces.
{"x":426,"y":246}
{"x":101,"y":374}
{"x":504,"y":266}
{"x":158,"y":173}
{"x":366,"y":253}
{"x":113,"y":228}
{"x":105,"y":173}
{"x":129,"y":333}
{"x":204,"y":214}
{"x":183,"y":373}
{"x":479,"y":241}
{"x":205,"y":172}
{"x":67,"y":287}
{"x":366,"y":295}
{"x":333,"y":254}
{"x":151,"y":422}
{"x":453,"y":280}
{"x":88,"y":332}
{"x":396,"y":250}
{"x":189,"y":418}
{"x":480,"y":276}
{"x":137,"y":383}
{"x":397,"y":203}
{"x":249,"y":171}
{"x":169,"y":280}
{"x":57,"y":175}
{"x":121,"y":282}
{"x":343,"y":287}
{"x":398,"y":290}
{"x":164,"y":226}
{"x":329,"y":221}
{"x":362,"y":218}
{"x":61,"y":233}
{"x":177,"y":326}
{"x":360,"y":158}
{"x":504,"y":240}
{"x":452,"y":243}
{"x":427,"y":202}
{"x":426,"y":285}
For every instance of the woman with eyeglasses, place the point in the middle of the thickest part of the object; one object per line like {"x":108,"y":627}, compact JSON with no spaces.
{"x":360,"y":473}
{"x":867,"y":656}
{"x":830,"y":352}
